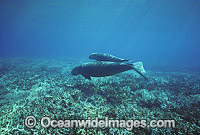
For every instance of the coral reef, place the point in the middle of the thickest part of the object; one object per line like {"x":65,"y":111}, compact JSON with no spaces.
{"x":45,"y":87}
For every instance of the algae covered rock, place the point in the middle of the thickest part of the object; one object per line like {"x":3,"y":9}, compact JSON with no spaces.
{"x":145,"y":98}
{"x":150,"y":99}
{"x":197,"y":98}
{"x":45,"y":87}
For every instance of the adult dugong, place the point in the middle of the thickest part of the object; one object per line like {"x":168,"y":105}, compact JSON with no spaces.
{"x":105,"y":68}
{"x":106,"y":57}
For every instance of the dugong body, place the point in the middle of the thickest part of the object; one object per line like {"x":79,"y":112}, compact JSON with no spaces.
{"x":104,"y":68}
{"x":106,"y":57}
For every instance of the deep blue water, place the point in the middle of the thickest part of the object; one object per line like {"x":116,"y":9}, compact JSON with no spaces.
{"x":157,"y":32}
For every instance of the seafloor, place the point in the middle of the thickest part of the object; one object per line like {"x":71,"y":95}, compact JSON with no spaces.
{"x":45,"y":87}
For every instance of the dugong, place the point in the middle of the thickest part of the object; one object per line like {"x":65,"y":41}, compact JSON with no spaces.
{"x":106,"y":68}
{"x":106,"y":57}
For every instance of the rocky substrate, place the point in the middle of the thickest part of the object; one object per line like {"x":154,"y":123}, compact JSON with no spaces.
{"x":45,"y":87}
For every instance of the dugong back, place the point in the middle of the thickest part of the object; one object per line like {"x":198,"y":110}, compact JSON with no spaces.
{"x":101,"y":69}
{"x":106,"y":57}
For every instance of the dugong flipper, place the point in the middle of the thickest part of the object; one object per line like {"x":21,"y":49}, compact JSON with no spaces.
{"x":106,"y":57}
{"x":105,"y":68}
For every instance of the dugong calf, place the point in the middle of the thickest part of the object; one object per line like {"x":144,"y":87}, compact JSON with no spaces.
{"x":106,"y":57}
{"x":104,"y":68}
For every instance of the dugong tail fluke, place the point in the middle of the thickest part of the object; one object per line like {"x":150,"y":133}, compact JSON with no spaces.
{"x":138,"y":67}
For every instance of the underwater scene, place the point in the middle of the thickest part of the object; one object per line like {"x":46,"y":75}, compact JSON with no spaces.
{"x":100,"y":67}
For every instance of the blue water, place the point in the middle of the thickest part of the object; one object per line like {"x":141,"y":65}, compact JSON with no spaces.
{"x":156,"y":32}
